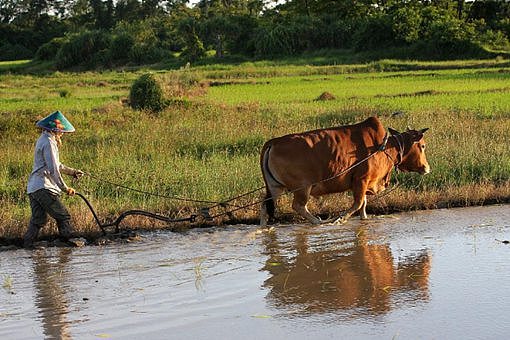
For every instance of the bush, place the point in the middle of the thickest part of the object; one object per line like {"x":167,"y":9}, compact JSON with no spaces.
{"x":14,"y":52}
{"x":64,"y":93}
{"x":239,"y":40}
{"x":278,"y":39}
{"x":142,"y":42}
{"x":406,"y":22}
{"x":375,"y":33}
{"x":143,"y":54}
{"x":450,"y":37}
{"x":495,"y":40}
{"x":194,"y":49}
{"x":504,"y":26}
{"x":146,"y":94}
{"x":83,"y":49}
{"x":48,"y":51}
{"x":121,"y":46}
{"x":333,"y":33}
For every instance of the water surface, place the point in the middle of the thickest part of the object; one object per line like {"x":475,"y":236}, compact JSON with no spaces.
{"x":428,"y":275}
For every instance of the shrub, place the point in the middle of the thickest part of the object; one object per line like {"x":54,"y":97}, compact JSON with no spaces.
{"x":142,"y":42}
{"x":146,"y":94}
{"x":302,"y":33}
{"x":504,"y":26}
{"x":333,"y":33}
{"x":406,"y":22}
{"x":48,"y":51}
{"x":64,"y":93}
{"x":496,"y":40}
{"x":275,"y":40}
{"x":375,"y":33}
{"x":240,"y":38}
{"x":121,"y":46}
{"x":141,"y":53}
{"x":14,"y":52}
{"x":194,"y":49}
{"x":450,"y":37}
{"x":82,"y":49}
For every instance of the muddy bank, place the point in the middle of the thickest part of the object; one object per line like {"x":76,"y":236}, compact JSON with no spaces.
{"x":130,"y":229}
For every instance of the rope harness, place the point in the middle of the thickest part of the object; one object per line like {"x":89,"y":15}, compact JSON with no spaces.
{"x":205,"y":211}
{"x":400,"y":151}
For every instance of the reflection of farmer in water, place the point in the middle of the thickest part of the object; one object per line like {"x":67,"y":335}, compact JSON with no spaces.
{"x":50,"y":293}
{"x":355,"y":274}
{"x":45,"y":184}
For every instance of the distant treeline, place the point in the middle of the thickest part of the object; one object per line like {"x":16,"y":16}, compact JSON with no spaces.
{"x":95,"y":33}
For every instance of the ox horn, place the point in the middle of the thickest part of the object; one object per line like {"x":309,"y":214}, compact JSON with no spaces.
{"x":424,"y":130}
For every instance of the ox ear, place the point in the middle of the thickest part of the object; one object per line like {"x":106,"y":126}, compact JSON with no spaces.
{"x":393,"y":132}
{"x":424,"y":130}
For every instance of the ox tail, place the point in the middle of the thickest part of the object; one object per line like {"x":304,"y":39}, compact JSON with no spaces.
{"x":269,"y":202}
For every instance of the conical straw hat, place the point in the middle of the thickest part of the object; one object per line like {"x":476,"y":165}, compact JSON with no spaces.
{"x":56,"y":122}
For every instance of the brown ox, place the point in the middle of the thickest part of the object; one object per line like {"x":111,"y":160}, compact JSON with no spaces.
{"x":314,"y":163}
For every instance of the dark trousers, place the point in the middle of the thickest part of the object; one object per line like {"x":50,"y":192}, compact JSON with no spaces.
{"x":43,"y":203}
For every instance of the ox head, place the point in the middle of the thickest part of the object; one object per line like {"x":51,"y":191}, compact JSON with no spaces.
{"x":412,"y":151}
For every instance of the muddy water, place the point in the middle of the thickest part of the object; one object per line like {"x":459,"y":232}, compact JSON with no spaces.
{"x":432,"y":275}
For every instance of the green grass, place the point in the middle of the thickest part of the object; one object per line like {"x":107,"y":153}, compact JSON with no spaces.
{"x":482,"y":89}
{"x":208,"y":149}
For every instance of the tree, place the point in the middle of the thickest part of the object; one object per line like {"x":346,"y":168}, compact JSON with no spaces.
{"x":9,"y":10}
{"x":193,"y":46}
{"x":102,"y":14}
{"x":128,"y":10}
{"x":460,"y":8}
{"x":151,"y":8}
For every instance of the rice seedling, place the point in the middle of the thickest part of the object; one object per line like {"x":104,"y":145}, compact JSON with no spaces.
{"x":198,"y":271}
{"x":7,"y":285}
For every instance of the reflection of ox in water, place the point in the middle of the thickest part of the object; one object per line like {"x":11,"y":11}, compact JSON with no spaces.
{"x":313,"y":162}
{"x":51,"y":299}
{"x":348,"y":274}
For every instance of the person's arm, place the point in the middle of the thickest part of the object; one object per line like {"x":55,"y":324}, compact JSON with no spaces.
{"x":50,"y":153}
{"x":70,"y":171}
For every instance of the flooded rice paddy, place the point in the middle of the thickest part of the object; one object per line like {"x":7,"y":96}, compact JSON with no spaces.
{"x":439,"y":274}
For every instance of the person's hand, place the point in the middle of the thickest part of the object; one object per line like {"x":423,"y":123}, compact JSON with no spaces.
{"x":78,"y":174}
{"x":71,"y":191}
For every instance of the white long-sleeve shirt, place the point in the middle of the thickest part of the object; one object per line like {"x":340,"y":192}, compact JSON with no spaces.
{"x":46,"y":172}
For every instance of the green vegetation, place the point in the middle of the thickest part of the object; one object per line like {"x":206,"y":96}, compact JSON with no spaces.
{"x":146,"y":94}
{"x":206,"y":144}
{"x":104,"y":34}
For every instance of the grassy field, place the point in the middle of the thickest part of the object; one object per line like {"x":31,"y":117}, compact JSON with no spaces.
{"x":206,"y":146}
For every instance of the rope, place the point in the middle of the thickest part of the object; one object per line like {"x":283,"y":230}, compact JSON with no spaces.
{"x":224,"y":203}
{"x":156,"y":194}
{"x":127,"y":213}
{"x":205,"y":211}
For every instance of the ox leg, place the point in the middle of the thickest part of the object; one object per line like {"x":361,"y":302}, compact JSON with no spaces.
{"x":359,"y":194}
{"x":268,"y":206}
{"x":299,"y":205}
{"x":264,"y":216}
{"x":363,"y":210}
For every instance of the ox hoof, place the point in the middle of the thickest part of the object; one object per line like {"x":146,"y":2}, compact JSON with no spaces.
{"x":315,"y":221}
{"x":328,"y":221}
{"x":341,"y":220}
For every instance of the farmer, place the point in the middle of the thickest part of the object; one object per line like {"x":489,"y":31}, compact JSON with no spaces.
{"x":45,"y":184}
